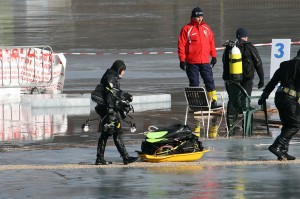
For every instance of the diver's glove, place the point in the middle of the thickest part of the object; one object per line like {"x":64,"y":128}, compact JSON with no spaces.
{"x":128,"y":97}
{"x":264,"y":96}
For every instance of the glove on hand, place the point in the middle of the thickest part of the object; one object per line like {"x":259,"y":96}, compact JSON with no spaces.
{"x":183,"y":65}
{"x":260,"y":84}
{"x":128,"y":97}
{"x":213,"y":61}
{"x":263,"y":98}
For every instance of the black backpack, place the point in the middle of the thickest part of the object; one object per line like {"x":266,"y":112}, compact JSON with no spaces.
{"x":98,"y":94}
{"x":248,"y":65}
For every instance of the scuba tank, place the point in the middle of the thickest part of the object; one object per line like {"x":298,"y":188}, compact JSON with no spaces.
{"x":235,"y":64}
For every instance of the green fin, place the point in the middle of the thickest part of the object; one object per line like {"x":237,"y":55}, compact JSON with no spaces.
{"x":153,"y":140}
{"x":158,"y":134}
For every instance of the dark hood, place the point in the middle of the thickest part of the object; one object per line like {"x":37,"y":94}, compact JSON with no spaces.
{"x":118,"y":66}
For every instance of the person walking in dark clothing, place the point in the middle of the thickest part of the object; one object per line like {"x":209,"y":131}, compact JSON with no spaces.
{"x":251,"y":62}
{"x":111,"y":111}
{"x":287,"y":102}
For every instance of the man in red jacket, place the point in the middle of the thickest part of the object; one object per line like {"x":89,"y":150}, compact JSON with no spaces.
{"x":196,"y":44}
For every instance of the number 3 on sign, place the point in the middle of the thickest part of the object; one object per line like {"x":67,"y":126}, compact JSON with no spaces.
{"x":280,"y":50}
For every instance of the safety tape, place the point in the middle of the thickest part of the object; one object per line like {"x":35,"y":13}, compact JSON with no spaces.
{"x":156,"y":52}
{"x":121,"y":53}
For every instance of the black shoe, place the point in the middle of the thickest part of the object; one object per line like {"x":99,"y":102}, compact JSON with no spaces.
{"x":103,"y":162}
{"x":129,"y":160}
{"x":288,"y":157}
{"x":277,"y":151}
{"x":285,"y":149}
{"x":214,"y":104}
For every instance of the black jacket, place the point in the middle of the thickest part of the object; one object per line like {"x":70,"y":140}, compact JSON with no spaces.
{"x":110,"y":81}
{"x":250,"y":59}
{"x":288,"y":74}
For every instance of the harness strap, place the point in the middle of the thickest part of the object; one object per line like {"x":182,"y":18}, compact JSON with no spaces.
{"x":289,"y":91}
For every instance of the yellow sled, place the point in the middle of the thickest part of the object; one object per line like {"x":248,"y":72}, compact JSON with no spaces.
{"x":183,"y":157}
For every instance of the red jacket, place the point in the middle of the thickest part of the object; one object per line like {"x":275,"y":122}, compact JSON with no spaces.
{"x":196,"y":43}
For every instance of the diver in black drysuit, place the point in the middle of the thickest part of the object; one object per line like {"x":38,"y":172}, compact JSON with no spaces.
{"x":111,"y":113}
{"x":287,"y":103}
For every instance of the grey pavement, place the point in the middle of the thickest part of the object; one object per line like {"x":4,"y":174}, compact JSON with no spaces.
{"x":233,"y":168}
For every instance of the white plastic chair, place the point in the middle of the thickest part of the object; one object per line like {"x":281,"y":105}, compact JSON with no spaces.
{"x":197,"y":102}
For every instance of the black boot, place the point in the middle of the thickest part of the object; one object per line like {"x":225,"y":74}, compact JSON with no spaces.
{"x":128,"y":160}
{"x":285,"y":150}
{"x":276,"y":148}
{"x":100,"y":151}
{"x":122,"y":150}
{"x":231,"y":123}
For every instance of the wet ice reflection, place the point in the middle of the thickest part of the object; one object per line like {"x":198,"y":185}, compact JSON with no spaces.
{"x":23,"y":123}
{"x":18,"y":125}
{"x":23,"y":119}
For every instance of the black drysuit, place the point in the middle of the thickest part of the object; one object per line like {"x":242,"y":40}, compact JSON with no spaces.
{"x":287,"y":103}
{"x":288,"y":75}
{"x":111,"y":113}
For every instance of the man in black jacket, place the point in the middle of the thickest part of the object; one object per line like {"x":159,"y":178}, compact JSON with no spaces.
{"x":251,"y":62}
{"x":287,"y":103}
{"x":111,"y":111}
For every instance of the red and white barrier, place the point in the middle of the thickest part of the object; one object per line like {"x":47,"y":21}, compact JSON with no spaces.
{"x":26,"y":68}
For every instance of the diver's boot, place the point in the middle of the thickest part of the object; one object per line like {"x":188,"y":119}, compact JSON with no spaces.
{"x":100,"y":161}
{"x":100,"y":152}
{"x":231,"y":123}
{"x":276,"y":148}
{"x":122,"y":150}
{"x":285,"y":150}
{"x":129,"y":159}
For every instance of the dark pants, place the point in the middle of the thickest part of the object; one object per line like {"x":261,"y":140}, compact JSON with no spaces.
{"x":235,"y":105}
{"x":118,"y":141}
{"x":206,"y":73}
{"x":247,"y":85}
{"x":289,"y":113}
{"x":106,"y":132}
{"x":235,"y":108}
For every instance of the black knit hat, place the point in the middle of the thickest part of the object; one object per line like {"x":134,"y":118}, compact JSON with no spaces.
{"x":197,"y":12}
{"x":118,"y":66}
{"x":241,"y":32}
